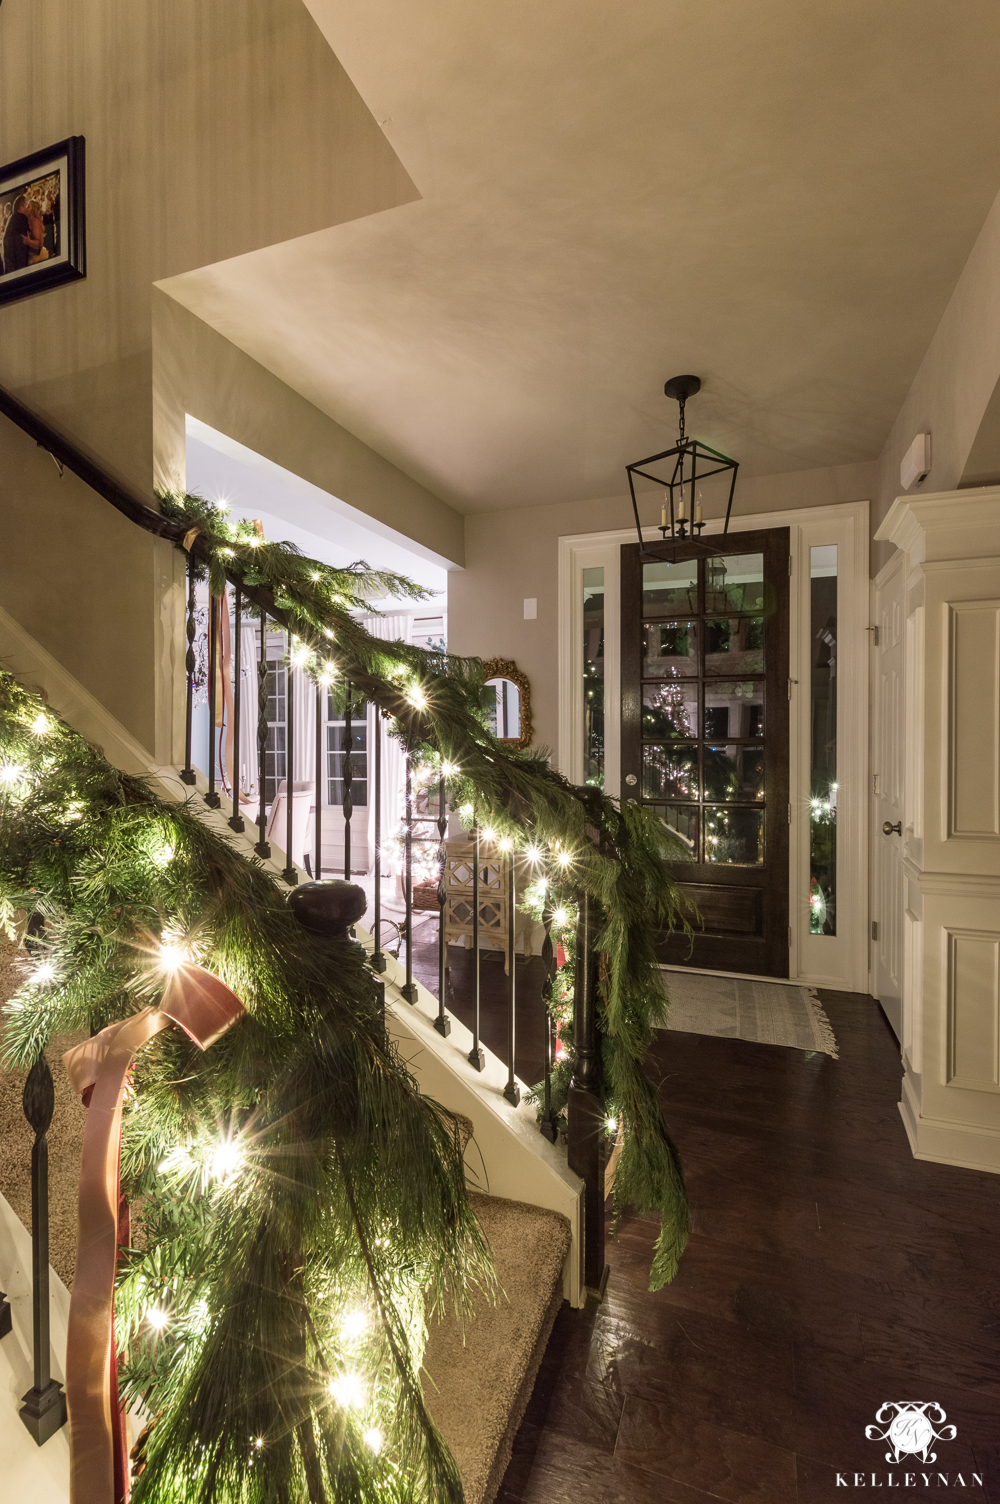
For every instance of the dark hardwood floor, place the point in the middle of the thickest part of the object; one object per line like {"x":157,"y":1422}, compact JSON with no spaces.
{"x":828,"y":1272}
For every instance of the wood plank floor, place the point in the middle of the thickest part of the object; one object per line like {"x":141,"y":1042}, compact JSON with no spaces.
{"x":828,"y":1272}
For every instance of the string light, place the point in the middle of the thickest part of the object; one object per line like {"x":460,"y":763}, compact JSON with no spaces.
{"x":164,"y":856}
{"x":612,"y":1125}
{"x":11,"y":773}
{"x":534,"y":853}
{"x":448,"y":769}
{"x":506,"y":844}
{"x":354,"y":1323}
{"x":259,"y":1442}
{"x":227,"y":553}
{"x":41,"y":724}
{"x":560,"y":916}
{"x":373,"y":1438}
{"x":564,"y":858}
{"x":300,"y":654}
{"x":488,"y":833}
{"x":227,"y":1160}
{"x":417,"y":698}
{"x":347,"y":1390}
{"x":157,"y":1319}
{"x":44,"y":973}
{"x":254,"y":542}
{"x":172,"y":955}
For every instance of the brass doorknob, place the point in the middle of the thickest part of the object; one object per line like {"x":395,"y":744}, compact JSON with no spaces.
{"x":888,"y":829}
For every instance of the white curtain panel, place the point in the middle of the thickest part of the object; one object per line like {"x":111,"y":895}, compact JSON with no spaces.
{"x":395,"y":628}
{"x":247,"y":772}
{"x":304,"y":708}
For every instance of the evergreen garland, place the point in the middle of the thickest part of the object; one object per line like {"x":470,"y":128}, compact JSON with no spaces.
{"x":298,"y":1198}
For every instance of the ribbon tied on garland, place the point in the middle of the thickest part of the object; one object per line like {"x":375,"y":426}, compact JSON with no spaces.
{"x":204,"y":1008}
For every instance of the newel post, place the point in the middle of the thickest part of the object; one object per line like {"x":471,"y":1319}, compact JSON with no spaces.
{"x":44,"y":1408}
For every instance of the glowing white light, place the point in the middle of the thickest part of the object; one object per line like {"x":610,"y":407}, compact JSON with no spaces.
{"x":560,"y":916}
{"x":488,"y":833}
{"x":179,"y":1158}
{"x":300,"y":654}
{"x":227,"y":1160}
{"x":254,"y":542}
{"x":543,"y":884}
{"x":11,"y":773}
{"x":41,"y":724}
{"x":314,"y":575}
{"x":564,"y":858}
{"x":534,"y":853}
{"x":506,"y":844}
{"x":466,"y":811}
{"x":448,"y":769}
{"x":44,"y":973}
{"x":417,"y":698}
{"x":354,"y":1323}
{"x":612,"y":1125}
{"x":259,"y":1442}
{"x":373,"y":1438}
{"x":327,"y":632}
{"x":348,"y":1390}
{"x":172,"y":955}
{"x":157,"y":1318}
{"x":227,"y":553}
{"x":164,"y":856}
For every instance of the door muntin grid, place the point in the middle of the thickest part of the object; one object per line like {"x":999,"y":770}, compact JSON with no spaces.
{"x":702,"y":725}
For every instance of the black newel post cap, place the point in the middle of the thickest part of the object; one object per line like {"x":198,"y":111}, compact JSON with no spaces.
{"x":328,"y":908}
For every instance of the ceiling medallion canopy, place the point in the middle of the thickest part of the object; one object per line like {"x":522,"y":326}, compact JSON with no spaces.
{"x":680,"y":471}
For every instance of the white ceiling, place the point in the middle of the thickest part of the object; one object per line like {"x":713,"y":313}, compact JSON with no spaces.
{"x":778,"y":196}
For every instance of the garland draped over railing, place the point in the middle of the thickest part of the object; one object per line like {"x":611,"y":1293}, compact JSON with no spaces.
{"x":299,"y":1197}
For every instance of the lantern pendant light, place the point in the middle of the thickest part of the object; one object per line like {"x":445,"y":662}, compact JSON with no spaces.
{"x":680,"y":470}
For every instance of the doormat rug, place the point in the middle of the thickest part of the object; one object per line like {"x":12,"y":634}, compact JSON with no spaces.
{"x":764,"y":1012}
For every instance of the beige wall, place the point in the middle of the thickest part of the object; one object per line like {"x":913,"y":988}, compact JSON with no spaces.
{"x":952,"y":390}
{"x":513,"y":554}
{"x":197,"y":371}
{"x":213,"y":127}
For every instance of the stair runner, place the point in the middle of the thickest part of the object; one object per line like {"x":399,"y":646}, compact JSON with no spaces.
{"x":477,"y":1380}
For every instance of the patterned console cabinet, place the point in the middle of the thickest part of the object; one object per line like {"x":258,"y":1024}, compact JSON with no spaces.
{"x":494,"y":870}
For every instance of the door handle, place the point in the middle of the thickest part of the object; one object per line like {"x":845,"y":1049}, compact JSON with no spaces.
{"x":888,"y":829}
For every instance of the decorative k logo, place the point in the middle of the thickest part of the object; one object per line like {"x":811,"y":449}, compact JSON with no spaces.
{"x":909,"y":1428}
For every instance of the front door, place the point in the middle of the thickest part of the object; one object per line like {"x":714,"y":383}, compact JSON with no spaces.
{"x":705,"y":737}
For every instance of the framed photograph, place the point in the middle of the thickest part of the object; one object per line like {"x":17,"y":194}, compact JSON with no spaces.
{"x":42,"y":241}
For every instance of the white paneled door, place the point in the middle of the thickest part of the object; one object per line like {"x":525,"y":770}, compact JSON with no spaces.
{"x":887,"y":803}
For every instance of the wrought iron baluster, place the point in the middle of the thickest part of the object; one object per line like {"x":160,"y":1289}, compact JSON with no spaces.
{"x":408,"y":988}
{"x":348,"y":780}
{"x":442,"y":1023}
{"x":585,"y":1111}
{"x":378,"y":956}
{"x":187,"y":772}
{"x":289,"y":874}
{"x":549,"y":1123}
{"x":476,"y":1055}
{"x":236,"y":821}
{"x":212,"y":797}
{"x":318,"y":828}
{"x":44,"y":1409}
{"x":511,"y":1091}
{"x":262,"y":846}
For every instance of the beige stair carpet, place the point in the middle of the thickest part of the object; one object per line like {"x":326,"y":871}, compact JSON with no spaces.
{"x":478,"y":1380}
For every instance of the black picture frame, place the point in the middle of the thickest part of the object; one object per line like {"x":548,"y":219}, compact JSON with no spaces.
{"x":53,"y":183}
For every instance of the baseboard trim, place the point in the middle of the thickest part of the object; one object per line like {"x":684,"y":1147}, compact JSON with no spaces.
{"x":963,"y":1145}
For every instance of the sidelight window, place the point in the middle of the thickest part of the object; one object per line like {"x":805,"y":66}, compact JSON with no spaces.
{"x":593,"y":676}
{"x":823,"y":738}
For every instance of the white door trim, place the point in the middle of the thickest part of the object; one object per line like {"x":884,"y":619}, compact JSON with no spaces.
{"x":839,"y":961}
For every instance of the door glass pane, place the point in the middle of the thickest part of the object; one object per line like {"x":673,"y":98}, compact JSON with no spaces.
{"x":823,"y":715}
{"x":668,"y":589}
{"x":682,"y":820}
{"x":734,"y":772}
{"x":734,"y":646}
{"x":734,"y":837}
{"x":670,"y":710}
{"x":593,"y":676}
{"x":670,"y":772}
{"x":670,"y":650}
{"x":734,"y":710}
{"x":735,"y":583}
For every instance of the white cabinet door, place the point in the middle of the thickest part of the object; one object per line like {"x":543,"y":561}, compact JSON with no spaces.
{"x":887,"y":804}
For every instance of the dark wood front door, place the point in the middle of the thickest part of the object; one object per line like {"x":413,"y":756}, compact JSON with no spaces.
{"x":705,"y":737}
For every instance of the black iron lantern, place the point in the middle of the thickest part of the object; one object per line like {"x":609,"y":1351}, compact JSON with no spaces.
{"x":679,"y":471}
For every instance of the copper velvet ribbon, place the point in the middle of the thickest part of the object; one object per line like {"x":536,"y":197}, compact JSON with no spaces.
{"x":204,"y":1007}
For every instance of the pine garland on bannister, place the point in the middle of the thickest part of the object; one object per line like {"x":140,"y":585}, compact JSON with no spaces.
{"x":433,"y":698}
{"x":299,"y":1197}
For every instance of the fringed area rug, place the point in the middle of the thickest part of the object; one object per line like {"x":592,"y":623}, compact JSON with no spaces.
{"x":764,"y":1012}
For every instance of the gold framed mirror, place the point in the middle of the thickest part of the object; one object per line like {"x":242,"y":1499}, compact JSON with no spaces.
{"x":507,"y":702}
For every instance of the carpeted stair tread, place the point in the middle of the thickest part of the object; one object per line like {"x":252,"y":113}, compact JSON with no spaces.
{"x":478,"y":1380}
